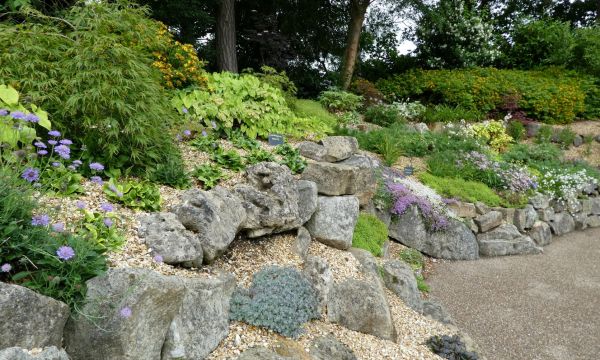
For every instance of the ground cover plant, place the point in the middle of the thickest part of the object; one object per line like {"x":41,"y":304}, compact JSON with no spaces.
{"x":415,"y":259}
{"x":460,"y":189}
{"x":370,"y":234}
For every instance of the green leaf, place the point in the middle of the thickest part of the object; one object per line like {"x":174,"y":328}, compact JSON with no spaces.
{"x":20,"y":275}
{"x":9,"y":95}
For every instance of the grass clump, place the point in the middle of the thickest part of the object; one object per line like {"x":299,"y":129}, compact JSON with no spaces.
{"x":314,"y":109}
{"x":370,"y":234}
{"x":469,"y":191}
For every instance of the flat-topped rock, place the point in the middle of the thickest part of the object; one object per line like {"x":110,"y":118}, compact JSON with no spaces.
{"x":506,"y":240}
{"x":488,"y":221}
{"x":334,"y":220}
{"x":339,"y":148}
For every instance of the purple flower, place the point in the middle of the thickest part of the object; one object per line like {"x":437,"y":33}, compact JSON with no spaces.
{"x":80,"y":204}
{"x":18,"y":115}
{"x":63,"y":151}
{"x":6,"y":267}
{"x":184,"y":109}
{"x":58,"y":227}
{"x":77,"y":163}
{"x":204,"y":133}
{"x":97,"y":180}
{"x":39,"y":144}
{"x":96,"y":166}
{"x":54,"y":133}
{"x":31,"y":174}
{"x":187,"y":133}
{"x":32,"y":118}
{"x":3,"y":112}
{"x":214,"y":124}
{"x":107,"y":207}
{"x":125,"y":312}
{"x":108,"y":222}
{"x":72,"y":167}
{"x":66,"y":142}
{"x":40,"y":220}
{"x":65,"y":252}
{"x":158,"y":258}
{"x":52,"y":142}
{"x":42,"y":152}
{"x":56,"y":164}
{"x":178,"y":138}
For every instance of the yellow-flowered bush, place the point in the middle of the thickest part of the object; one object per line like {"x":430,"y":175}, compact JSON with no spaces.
{"x":492,"y":133}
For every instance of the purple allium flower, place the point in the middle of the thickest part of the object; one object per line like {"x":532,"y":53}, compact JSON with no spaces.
{"x":187,"y":133}
{"x":97,"y":180}
{"x":58,"y":227}
{"x":63,"y":151}
{"x":66,"y":142}
{"x":32,"y":118}
{"x":40,"y":144}
{"x":42,"y":152}
{"x":40,"y":220}
{"x":65,"y":252}
{"x":56,"y":164}
{"x":52,"y":142}
{"x":214,"y":124}
{"x":125,"y":312}
{"x":204,"y":133}
{"x":184,"y":109}
{"x":31,"y":174}
{"x":54,"y":133}
{"x":158,"y":258}
{"x":96,"y":166}
{"x":80,"y":204}
{"x":18,"y":115}
{"x":108,"y":222}
{"x":6,"y":267}
{"x":3,"y":112}
{"x":107,"y":207}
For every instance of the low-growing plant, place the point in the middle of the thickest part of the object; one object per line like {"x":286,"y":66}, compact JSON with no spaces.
{"x":291,"y":158}
{"x":544,"y":134}
{"x":412,"y":257}
{"x":516,"y":130}
{"x":101,"y":228}
{"x":171,"y":173}
{"x":421,"y":284}
{"x":209,"y":175}
{"x":207,"y":144}
{"x":412,"y":110}
{"x":445,"y":114}
{"x":349,"y":118}
{"x":134,"y":194}
{"x":565,"y":137}
{"x":534,"y":155}
{"x":305,"y":108}
{"x":450,"y":347}
{"x":389,"y":150}
{"x":279,"y":298}
{"x":493,"y":133}
{"x":564,"y":184}
{"x":62,"y":180}
{"x":383,"y":115}
{"x":278,"y":80}
{"x":340,"y":101}
{"x":229,"y":159}
{"x":370,"y":234}
{"x":258,"y":155}
{"x":457,"y":188}
{"x":241,"y":141}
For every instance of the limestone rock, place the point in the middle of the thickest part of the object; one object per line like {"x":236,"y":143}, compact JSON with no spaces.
{"x":525,"y":218}
{"x":312,"y":150}
{"x":48,"y":353}
{"x":307,"y":200}
{"x":581,"y":221}
{"x":333,"y":222}
{"x":508,"y":214}
{"x":594,"y":221}
{"x":436,"y":311}
{"x":400,"y":279}
{"x":481,"y":208}
{"x":260,"y":353}
{"x":506,"y":240}
{"x":302,"y":243}
{"x":563,"y":223}
{"x":463,"y":209}
{"x":488,"y":221}
{"x":319,"y":274}
{"x":339,"y":148}
{"x":30,"y":320}
{"x":541,"y":233}
{"x":540,"y":201}
{"x":546,"y":215}
{"x":596,"y":206}
{"x":365,"y":181}
{"x":329,"y":348}
{"x":367,"y":262}
{"x":578,"y":140}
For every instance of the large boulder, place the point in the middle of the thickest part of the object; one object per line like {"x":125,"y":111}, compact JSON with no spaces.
{"x":488,"y":221}
{"x":595,"y":207}
{"x":368,"y":263}
{"x":361,"y":305}
{"x":167,"y":237}
{"x":541,"y":233}
{"x":329,"y":348}
{"x":525,"y":218}
{"x":540,"y":201}
{"x":30,"y":320}
{"x":563,"y":223}
{"x":594,"y":221}
{"x":48,"y":353}
{"x":506,"y":240}
{"x":333,"y":222}
{"x":271,"y":199}
{"x":365,"y":181}
{"x":400,"y":279}
{"x":339,"y":148}
{"x":214,"y":216}
{"x":546,"y":215}
{"x":127,"y":315}
{"x":318,"y":273}
{"x":202,"y":321}
{"x":456,"y":242}
{"x":312,"y":150}
{"x":307,"y":200}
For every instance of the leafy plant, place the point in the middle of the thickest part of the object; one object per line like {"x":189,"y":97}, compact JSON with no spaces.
{"x":412,"y":257}
{"x":566,"y":137}
{"x":349,"y":117}
{"x":279,"y":298}
{"x":371,"y":95}
{"x":206,"y":144}
{"x":171,"y":173}
{"x":61,"y":180}
{"x":101,"y":228}
{"x":541,"y":42}
{"x":134,"y":194}
{"x":291,"y":158}
{"x":210,"y":175}
{"x":456,"y":188}
{"x":278,"y":80}
{"x":421,"y":284}
{"x":516,"y":130}
{"x":370,"y":234}
{"x":340,"y":101}
{"x":306,"y":108}
{"x":229,"y":159}
{"x":243,"y":142}
{"x":389,"y":150}
{"x":492,"y":133}
{"x":544,"y":134}
{"x":446,"y":114}
{"x":383,"y":115}
{"x":258,"y":155}
{"x":450,"y":347}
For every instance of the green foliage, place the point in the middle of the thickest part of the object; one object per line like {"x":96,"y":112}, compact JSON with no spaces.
{"x":291,"y":158}
{"x":450,"y":347}
{"x":586,"y":53}
{"x":412,"y":257}
{"x":229,"y":159}
{"x":446,"y":165}
{"x":389,"y":150}
{"x":349,"y":117}
{"x":241,"y":141}
{"x":516,"y":130}
{"x":278,"y":80}
{"x":566,"y":137}
{"x":93,"y":73}
{"x":93,"y":227}
{"x":279,"y":298}
{"x":541,"y":43}
{"x":492,"y":133}
{"x":258,"y":155}
{"x":244,"y":102}
{"x":31,"y":250}
{"x":207,"y":144}
{"x":371,"y":95}
{"x":370,"y":234}
{"x":209,"y":175}
{"x":421,"y":284}
{"x":469,"y":191}
{"x":61,"y":180}
{"x":446,"y":114}
{"x":383,"y":115}
{"x":544,"y":134}
{"x":313,"y":109}
{"x":171,"y":173}
{"x":340,"y":101}
{"x":550,"y":95}
{"x":134,"y":194}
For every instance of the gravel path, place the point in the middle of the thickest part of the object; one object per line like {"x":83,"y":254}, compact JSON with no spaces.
{"x":529,"y":307}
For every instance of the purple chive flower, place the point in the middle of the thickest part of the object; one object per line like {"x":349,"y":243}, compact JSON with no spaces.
{"x":108,"y":222}
{"x":31,"y":174}
{"x":58,"y":227}
{"x":158,"y":258}
{"x":17,"y":115}
{"x":3,"y":112}
{"x":6,"y":267}
{"x":56,"y":164}
{"x":184,"y":109}
{"x":107,"y":207}
{"x":80,"y":204}
{"x":63,"y":151}
{"x":66,"y":142}
{"x":54,"y":133}
{"x":96,"y":166}
{"x":125,"y":312}
{"x":42,"y":152}
{"x":40,"y":144}
{"x":52,"y":142}
{"x":97,"y":180}
{"x":187,"y":133}
{"x":40,"y":220}
{"x":65,"y":252}
{"x":204,"y":133}
{"x":32,"y":118}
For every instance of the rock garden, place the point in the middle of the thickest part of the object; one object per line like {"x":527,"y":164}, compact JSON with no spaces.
{"x":151,"y":209}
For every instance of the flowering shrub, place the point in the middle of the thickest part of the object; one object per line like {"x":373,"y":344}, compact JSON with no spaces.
{"x":410,"y":109}
{"x":564,"y":184}
{"x":493,"y":133}
{"x":511,"y":177}
{"x":100,"y":227}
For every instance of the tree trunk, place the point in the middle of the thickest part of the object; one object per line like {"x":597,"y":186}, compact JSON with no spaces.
{"x":225,"y":36}
{"x":358,"y":9}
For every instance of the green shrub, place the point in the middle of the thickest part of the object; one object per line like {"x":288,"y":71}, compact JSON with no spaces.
{"x":534,"y":155}
{"x":544,"y":134}
{"x":101,"y":229}
{"x":171,"y":173}
{"x":447,"y":114}
{"x":389,"y":150}
{"x":370,"y":94}
{"x":383,"y":115}
{"x":542,"y":43}
{"x":241,"y":141}
{"x":370,"y":234}
{"x":516,"y":130}
{"x":134,"y":194}
{"x":229,"y":159}
{"x":450,"y":347}
{"x":61,"y":180}
{"x":279,"y":80}
{"x":469,"y":191}
{"x":566,"y":137}
{"x":340,"y":101}
{"x":412,"y":257}
{"x":95,"y":79}
{"x":313,"y":109}
{"x":291,"y":158}
{"x":349,"y":117}
{"x":586,"y":53}
{"x":279,"y":298}
{"x":209,"y":175}
{"x":258,"y":155}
